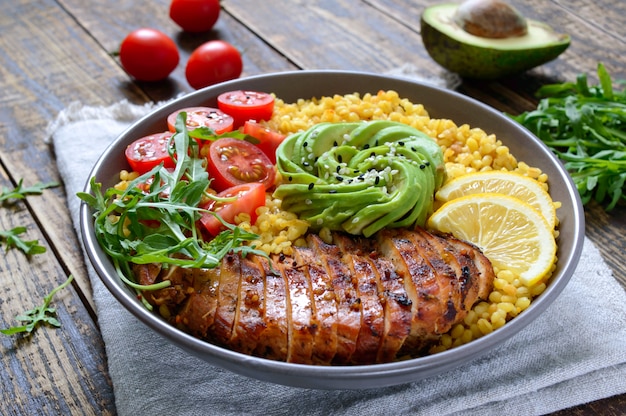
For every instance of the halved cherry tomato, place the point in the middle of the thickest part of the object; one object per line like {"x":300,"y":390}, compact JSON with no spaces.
{"x":269,"y":140}
{"x":147,"y":152}
{"x":213,"y":118}
{"x":246,"y":105}
{"x":235,"y":162}
{"x":249,"y":197}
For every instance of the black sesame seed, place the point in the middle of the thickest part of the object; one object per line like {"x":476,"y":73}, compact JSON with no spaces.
{"x":413,"y":149}
{"x":422,"y":166}
{"x":400,"y":143}
{"x":377,"y":180}
{"x":366,"y":146}
{"x":335,"y":144}
{"x":305,"y":144}
{"x":290,"y":178}
{"x":339,"y":158}
{"x":338,"y":168}
{"x":311,"y":185}
{"x":427,"y":163}
{"x":340,"y":178}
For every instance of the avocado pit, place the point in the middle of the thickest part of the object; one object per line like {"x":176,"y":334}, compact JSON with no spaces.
{"x":493,"y":19}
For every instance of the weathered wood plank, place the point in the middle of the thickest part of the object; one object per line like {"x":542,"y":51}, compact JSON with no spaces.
{"x":52,"y":371}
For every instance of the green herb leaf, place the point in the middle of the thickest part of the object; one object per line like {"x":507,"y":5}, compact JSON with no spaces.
{"x":41,"y":314}
{"x":20,"y":191}
{"x":585,"y":126}
{"x":11,"y":239}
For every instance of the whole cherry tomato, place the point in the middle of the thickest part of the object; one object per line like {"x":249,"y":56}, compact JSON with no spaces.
{"x":195,"y":15}
{"x":246,"y":105}
{"x":148,"y":55}
{"x":213,"y":62}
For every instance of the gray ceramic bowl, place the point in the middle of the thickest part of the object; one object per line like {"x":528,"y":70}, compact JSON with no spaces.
{"x":305,"y":84}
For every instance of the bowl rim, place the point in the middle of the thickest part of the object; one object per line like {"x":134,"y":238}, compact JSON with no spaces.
{"x":326,"y":377}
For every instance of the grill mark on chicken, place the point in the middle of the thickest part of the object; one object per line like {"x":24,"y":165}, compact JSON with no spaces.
{"x":299,"y":311}
{"x":249,"y":318}
{"x":197,"y":314}
{"x":273,"y":341}
{"x":356,"y":301}
{"x":367,"y":287}
{"x":228,"y":293}
{"x":348,"y":303}
{"x":324,"y":306}
{"x":418,"y":277}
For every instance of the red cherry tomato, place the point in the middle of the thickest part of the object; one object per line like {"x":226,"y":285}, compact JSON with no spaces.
{"x":269,"y":140}
{"x":147,"y":152}
{"x":148,"y":55}
{"x":246,"y":105}
{"x":249,"y":197}
{"x":213,"y":62}
{"x":213,"y":118}
{"x":195,"y":15}
{"x":235,"y":162}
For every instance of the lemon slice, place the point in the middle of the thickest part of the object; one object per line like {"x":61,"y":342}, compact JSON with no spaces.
{"x":511,"y":233}
{"x":502,"y":182}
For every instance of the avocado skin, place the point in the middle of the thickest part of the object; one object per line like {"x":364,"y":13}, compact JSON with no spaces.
{"x":470,"y":61}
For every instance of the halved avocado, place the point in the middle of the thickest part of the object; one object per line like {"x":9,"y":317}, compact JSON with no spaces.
{"x":480,"y":57}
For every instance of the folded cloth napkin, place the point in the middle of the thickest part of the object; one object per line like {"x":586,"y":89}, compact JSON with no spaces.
{"x":574,"y":353}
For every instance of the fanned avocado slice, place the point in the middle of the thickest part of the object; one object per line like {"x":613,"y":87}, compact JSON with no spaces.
{"x":482,"y":57}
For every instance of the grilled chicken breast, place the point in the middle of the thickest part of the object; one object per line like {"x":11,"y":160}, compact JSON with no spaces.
{"x":355,"y":301}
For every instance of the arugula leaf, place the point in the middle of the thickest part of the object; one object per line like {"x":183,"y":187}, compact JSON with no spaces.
{"x":158,"y":225}
{"x":11,"y":239}
{"x":20,"y":191}
{"x":585,"y":126}
{"x":41,"y":314}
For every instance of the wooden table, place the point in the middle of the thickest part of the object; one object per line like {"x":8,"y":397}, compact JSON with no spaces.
{"x":54,"y":52}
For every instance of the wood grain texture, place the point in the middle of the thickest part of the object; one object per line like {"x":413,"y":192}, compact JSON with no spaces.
{"x":49,"y":371}
{"x":54,"y":52}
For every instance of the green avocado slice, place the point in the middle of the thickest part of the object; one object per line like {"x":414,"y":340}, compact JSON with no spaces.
{"x":360,"y":177}
{"x":487,"y":58}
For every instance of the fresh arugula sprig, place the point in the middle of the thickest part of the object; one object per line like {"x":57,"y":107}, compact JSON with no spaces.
{"x":21,"y":191}
{"x":41,"y":314}
{"x":11,"y":239}
{"x":585,"y":126}
{"x":158,"y":224}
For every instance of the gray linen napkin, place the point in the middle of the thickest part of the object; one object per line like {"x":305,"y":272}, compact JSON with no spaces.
{"x":574,"y":353}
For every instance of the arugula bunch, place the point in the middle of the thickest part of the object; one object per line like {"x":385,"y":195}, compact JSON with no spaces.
{"x":157,"y":223}
{"x":585,"y":126}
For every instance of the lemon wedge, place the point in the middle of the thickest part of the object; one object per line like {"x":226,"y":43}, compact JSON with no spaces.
{"x":509,"y":183}
{"x":511,"y":233}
